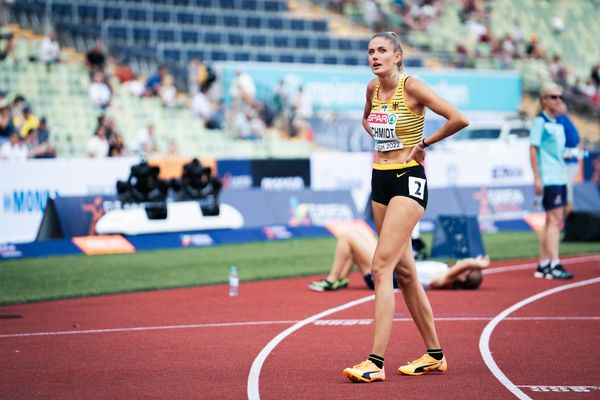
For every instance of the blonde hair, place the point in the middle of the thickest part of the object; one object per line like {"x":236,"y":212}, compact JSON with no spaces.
{"x":393,"y":38}
{"x":548,"y":87}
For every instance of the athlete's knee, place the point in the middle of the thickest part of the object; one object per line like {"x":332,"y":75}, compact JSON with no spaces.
{"x":405,"y":276}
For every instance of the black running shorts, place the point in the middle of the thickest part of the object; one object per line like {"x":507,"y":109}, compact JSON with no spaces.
{"x":389,"y":180}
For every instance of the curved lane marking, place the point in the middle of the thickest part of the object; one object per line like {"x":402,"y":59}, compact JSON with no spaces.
{"x":253,"y":376}
{"x":484,"y":340}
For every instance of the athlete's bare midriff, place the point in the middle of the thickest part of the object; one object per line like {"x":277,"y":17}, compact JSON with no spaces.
{"x":392,"y":157}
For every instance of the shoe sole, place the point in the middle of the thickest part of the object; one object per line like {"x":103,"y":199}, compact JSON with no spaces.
{"x":539,"y":275}
{"x":411,"y":373}
{"x":359,"y":379}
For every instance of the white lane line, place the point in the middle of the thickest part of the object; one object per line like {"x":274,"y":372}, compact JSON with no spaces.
{"x":519,"y":267}
{"x":484,"y":340}
{"x":144,"y":328}
{"x":321,"y":322}
{"x":253,"y":376}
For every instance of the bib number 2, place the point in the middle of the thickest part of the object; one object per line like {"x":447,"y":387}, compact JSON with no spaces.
{"x":416,"y":187}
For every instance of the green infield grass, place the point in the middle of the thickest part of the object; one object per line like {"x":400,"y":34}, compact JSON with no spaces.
{"x":38,"y":279}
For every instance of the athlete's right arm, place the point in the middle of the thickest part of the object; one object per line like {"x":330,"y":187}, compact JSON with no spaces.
{"x":368,"y":105}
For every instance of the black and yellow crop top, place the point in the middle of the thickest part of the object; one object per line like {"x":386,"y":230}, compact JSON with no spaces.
{"x":392,"y":124}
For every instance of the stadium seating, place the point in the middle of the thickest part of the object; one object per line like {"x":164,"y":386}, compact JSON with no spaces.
{"x":220,"y":28}
{"x":577,"y":45}
{"x":61,"y":96}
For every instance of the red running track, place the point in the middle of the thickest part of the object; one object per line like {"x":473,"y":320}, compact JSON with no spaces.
{"x":198,"y":343}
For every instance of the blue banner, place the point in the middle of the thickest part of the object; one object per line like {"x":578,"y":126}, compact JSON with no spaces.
{"x":342,"y":89}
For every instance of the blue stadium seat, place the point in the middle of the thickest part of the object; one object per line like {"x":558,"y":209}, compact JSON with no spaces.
{"x":208,"y":20}
{"x":218,"y":55}
{"x":136,"y":14}
{"x":172,"y":55}
{"x":330,"y":60}
{"x":241,"y":56}
{"x":213,"y":38}
{"x":231,"y":21}
{"x":195,"y":53}
{"x":185,"y":18}
{"x":161,"y":16}
{"x":308,"y":59}
{"x":203,"y":3}
{"x":63,"y":10}
{"x":344,"y":44}
{"x":302,"y":42}
{"x":258,"y":40}
{"x":349,"y":60}
{"x":112,"y":13}
{"x":323,"y":43}
{"x":254,"y":22}
{"x":286,"y":58}
{"x":189,"y":36}
{"x":281,"y":41}
{"x":165,"y":35}
{"x":264,"y":57}
{"x":319,"y":25}
{"x":235,"y":39}
{"x":275,"y":23}
{"x":274,"y":6}
{"x":297,"y":24}
{"x":118,"y":33}
{"x":141,"y":34}
{"x":249,"y":5}
{"x":87,"y":12}
{"x":185,"y":3}
{"x":226,"y":4}
{"x":363,"y":44}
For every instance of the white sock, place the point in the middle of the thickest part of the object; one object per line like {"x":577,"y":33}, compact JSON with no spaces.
{"x":554,"y":263}
{"x":544,"y":262}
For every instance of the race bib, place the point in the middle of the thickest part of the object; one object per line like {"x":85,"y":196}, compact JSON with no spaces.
{"x":383,"y":125}
{"x":388,"y":146}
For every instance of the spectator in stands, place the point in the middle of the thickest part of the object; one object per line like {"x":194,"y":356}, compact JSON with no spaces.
{"x":6,"y":125}
{"x":168,"y":92}
{"x":399,"y":188}
{"x":17,"y":107}
{"x":116,"y":147}
{"x":547,"y":139}
{"x":595,"y":75}
{"x":99,"y":92}
{"x":41,"y":144}
{"x":6,"y":44}
{"x":202,"y":76}
{"x":49,"y":51}
{"x":26,"y":122}
{"x":124,"y":72}
{"x":155,"y":81}
{"x":96,"y":58}
{"x":98,"y":146}
{"x":14,"y":149}
{"x":243,"y":90}
{"x":533,"y":49}
{"x":218,"y":116}
{"x":146,"y":143}
{"x":357,"y":247}
{"x":201,"y":106}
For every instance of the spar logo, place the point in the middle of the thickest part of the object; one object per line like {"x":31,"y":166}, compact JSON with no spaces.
{"x":382,"y":118}
{"x":27,"y":201}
